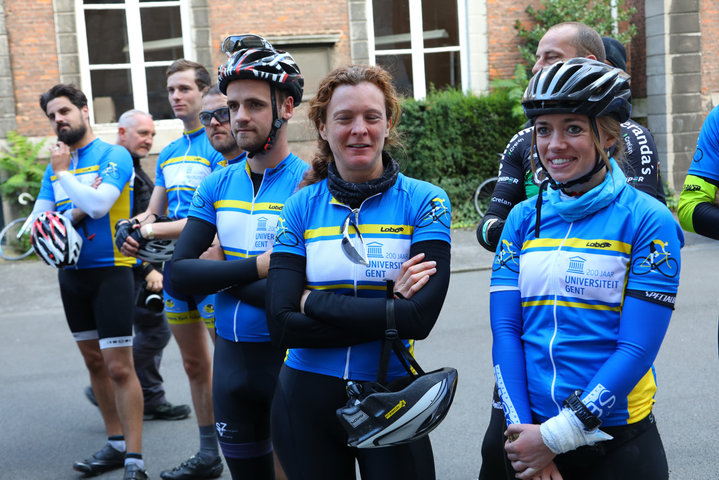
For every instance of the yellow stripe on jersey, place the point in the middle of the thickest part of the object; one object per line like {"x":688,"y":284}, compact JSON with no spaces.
{"x":641,"y":399}
{"x":188,"y":158}
{"x":242,"y":205}
{"x":549,"y":302}
{"x":120,"y":210}
{"x":80,"y":171}
{"x":365,"y":229}
{"x":583,"y":243}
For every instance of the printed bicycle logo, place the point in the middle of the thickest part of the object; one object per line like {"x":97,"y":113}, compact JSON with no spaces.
{"x":438,"y":213}
{"x":659,"y":260}
{"x":507,"y":257}
{"x":284,"y":236}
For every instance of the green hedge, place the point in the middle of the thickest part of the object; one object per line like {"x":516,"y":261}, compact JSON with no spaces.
{"x":453,"y":140}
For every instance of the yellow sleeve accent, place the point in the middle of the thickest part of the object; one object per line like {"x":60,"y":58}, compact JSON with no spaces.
{"x":696,"y":190}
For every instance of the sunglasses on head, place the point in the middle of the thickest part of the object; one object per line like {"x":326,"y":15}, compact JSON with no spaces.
{"x":353,"y":247}
{"x":235,"y":43}
{"x":221,"y":114}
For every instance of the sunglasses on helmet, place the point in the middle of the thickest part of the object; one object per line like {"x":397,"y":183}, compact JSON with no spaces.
{"x":221,"y":114}
{"x":235,"y":43}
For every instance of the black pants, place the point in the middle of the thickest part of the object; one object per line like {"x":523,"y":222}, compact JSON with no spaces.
{"x":312,"y":444}
{"x":635,"y":452}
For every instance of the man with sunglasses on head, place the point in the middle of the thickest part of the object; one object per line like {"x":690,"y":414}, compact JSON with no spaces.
{"x":180,"y":168}
{"x":241,"y":204}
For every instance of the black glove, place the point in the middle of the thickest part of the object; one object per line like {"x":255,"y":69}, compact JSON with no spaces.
{"x":124,"y":228}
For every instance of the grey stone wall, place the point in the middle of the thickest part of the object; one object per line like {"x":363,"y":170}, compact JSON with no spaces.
{"x":359,"y":38}
{"x":7,"y":96}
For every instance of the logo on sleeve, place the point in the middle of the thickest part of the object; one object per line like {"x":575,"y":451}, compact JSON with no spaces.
{"x":658,"y":260}
{"x":438,"y":212}
{"x":111,"y":170}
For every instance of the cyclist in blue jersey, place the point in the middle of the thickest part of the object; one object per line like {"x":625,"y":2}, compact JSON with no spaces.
{"x":516,"y":180}
{"x":356,"y":223}
{"x":181,"y":167}
{"x":582,"y":291}
{"x":241,"y":204}
{"x":97,"y":292}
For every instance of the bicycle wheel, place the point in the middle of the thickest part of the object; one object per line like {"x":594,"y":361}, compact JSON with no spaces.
{"x":483,"y":195}
{"x":13,"y":247}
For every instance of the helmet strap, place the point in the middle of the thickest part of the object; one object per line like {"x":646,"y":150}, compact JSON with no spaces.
{"x":277,"y":123}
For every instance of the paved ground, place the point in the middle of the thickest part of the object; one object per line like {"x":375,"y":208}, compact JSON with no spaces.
{"x":46,"y":423}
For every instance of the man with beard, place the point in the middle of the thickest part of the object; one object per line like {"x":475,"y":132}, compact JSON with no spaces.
{"x":97,"y":291}
{"x":215,"y":117}
{"x":136,"y":132}
{"x":181,"y":167}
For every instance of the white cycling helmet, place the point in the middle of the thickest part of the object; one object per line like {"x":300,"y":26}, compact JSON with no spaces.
{"x":379,"y":416}
{"x":55,"y":240}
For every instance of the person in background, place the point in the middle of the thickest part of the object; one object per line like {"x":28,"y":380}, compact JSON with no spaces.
{"x":181,"y":167}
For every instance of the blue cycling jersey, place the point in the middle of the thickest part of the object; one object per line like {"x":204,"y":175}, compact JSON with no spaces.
{"x":181,"y":167}
{"x":246,"y":226}
{"x":558,"y":301}
{"x":311,"y":226}
{"x":113,"y":164}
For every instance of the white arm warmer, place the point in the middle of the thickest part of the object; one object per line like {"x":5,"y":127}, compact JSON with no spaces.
{"x":94,"y":202}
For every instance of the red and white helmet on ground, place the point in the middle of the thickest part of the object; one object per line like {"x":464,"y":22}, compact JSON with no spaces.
{"x":55,"y":240}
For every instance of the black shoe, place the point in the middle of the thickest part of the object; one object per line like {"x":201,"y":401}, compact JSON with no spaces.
{"x":194,"y":468}
{"x":101,"y":461}
{"x":133,"y":472}
{"x":90,"y":395}
{"x":167,"y":411}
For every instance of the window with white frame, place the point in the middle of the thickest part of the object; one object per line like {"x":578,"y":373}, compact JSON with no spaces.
{"x":125,"y":46}
{"x":420,"y":42}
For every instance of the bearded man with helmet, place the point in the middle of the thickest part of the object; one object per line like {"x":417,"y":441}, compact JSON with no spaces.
{"x":241,"y":204}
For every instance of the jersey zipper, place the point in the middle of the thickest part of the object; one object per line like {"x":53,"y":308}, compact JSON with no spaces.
{"x":184,"y":159}
{"x":556,"y":323}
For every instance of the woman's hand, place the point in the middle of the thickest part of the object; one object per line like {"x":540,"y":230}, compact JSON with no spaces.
{"x":213,"y":252}
{"x":550,"y":472}
{"x":413,"y":275}
{"x":527,"y":452}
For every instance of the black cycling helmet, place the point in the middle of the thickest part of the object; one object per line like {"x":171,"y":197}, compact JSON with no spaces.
{"x":252,"y":57}
{"x":579,"y":85}
{"x":255,"y":58}
{"x":379,"y":416}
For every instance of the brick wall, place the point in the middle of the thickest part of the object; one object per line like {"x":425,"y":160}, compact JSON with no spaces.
{"x":301,"y":17}
{"x":33,"y":60}
{"x":709,"y":18}
{"x":503,"y":40}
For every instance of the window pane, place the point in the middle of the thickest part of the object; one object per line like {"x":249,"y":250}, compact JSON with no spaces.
{"x":159,"y":106}
{"x":106,"y":36}
{"x":99,"y":2}
{"x":111,"y":94}
{"x":439,"y":23}
{"x":443,"y":70}
{"x":161,"y":33}
{"x":391,"y":24}
{"x":400,"y":67}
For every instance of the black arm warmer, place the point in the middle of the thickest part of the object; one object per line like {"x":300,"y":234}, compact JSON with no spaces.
{"x":705,"y":220}
{"x":190,"y":275}
{"x":346,"y":320}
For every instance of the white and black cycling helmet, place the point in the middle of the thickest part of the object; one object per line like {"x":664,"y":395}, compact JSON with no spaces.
{"x":253,"y":57}
{"x":579,"y":85}
{"x":55,"y":240}
{"x":377,"y":416}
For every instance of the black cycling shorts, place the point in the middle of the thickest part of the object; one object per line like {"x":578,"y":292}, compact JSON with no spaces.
{"x":243,"y":383}
{"x":99,"y":303}
{"x":304,"y":423}
{"x":636,"y":451}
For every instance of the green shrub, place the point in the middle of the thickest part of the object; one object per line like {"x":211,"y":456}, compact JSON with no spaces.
{"x":453,"y":139}
{"x":21,"y":169}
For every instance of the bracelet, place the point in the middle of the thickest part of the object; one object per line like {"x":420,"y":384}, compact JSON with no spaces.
{"x":148,"y":232}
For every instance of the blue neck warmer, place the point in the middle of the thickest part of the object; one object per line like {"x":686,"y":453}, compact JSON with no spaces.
{"x":595,"y":199}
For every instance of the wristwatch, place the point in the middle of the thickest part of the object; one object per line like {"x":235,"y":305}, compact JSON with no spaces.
{"x":575,"y":404}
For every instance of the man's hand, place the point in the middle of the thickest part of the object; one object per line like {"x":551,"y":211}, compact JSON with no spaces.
{"x":153,"y":281}
{"x":527,"y":451}
{"x":128,"y":237}
{"x":60,"y":157}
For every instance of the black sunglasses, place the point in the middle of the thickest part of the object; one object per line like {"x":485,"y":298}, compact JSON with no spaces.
{"x":235,"y":43}
{"x":221,"y":114}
